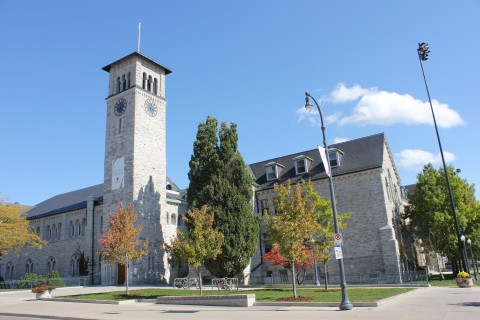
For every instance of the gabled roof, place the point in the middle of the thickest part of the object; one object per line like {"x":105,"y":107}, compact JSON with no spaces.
{"x":77,"y":199}
{"x":137,"y":54}
{"x":66,"y":202}
{"x":358,"y":155}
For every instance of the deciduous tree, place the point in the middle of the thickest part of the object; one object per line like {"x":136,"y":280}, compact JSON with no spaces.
{"x":292,"y":225}
{"x":323,"y":236}
{"x":15,"y":233}
{"x":202,"y":242}
{"x":302,"y":264}
{"x":120,"y":242}
{"x":430,"y":214}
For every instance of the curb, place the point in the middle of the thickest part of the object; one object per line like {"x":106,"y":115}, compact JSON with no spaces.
{"x":90,"y":301}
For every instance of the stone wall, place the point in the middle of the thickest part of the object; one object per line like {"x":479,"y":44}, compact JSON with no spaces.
{"x":370,"y":245}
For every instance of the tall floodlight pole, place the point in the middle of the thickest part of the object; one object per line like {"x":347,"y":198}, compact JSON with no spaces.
{"x":345,"y":304}
{"x":423,"y":51}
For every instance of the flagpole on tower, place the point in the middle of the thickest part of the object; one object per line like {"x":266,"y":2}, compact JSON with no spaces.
{"x":138,"y":48}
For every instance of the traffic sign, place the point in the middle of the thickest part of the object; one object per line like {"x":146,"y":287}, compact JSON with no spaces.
{"x":338,"y":253}
{"x":338,"y":239}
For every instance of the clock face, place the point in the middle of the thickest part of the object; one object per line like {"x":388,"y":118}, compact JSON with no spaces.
{"x":120,"y":107}
{"x":151,"y":108}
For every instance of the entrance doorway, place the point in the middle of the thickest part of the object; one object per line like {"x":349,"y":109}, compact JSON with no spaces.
{"x":121,"y":273}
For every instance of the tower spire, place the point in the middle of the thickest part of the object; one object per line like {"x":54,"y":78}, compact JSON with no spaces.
{"x":138,"y":47}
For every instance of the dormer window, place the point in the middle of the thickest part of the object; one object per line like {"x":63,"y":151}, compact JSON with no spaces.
{"x":272,"y":170}
{"x":302,"y":164}
{"x":335,"y":156}
{"x":271,"y":173}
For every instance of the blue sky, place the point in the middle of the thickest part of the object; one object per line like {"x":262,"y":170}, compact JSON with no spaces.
{"x":247,"y":62}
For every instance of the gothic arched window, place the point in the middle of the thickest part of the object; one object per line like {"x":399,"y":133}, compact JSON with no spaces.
{"x":50,"y":265}
{"x":29,"y":266}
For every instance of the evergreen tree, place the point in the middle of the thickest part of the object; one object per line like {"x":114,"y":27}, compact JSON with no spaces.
{"x":220,"y":179}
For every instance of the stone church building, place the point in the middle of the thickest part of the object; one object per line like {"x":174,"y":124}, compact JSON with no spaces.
{"x":366,"y":184}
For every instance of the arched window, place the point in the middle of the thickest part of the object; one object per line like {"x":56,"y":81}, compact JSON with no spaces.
{"x":149,"y":84}
{"x":77,"y":228}
{"x":72,"y":229}
{"x":59,"y":234}
{"x":72,"y":267}
{"x":144,"y":81}
{"x":124,"y":83}
{"x":128,"y":80}
{"x":50,"y":265}
{"x":83,"y":226}
{"x":54,"y":232}
{"x":173,"y":219}
{"x":49,"y":232}
{"x":9,"y":271}
{"x":155,"y":86}
{"x":180,"y":220}
{"x":168,"y":218}
{"x":118,"y":84}
{"x":151,"y":261}
{"x":29,"y":266}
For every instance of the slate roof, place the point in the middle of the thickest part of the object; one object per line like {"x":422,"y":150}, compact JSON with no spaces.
{"x":66,"y":202}
{"x":77,"y":199}
{"x":358,"y":155}
{"x":410,"y":189}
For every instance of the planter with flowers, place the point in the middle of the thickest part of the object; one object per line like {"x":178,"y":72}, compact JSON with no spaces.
{"x":43,"y":290}
{"x":464,"y":280}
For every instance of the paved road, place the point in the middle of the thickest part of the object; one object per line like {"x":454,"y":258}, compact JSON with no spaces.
{"x":426,"y":304}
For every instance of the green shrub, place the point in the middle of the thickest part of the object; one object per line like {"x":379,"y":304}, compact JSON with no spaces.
{"x":30,"y":280}
{"x":55,"y":279}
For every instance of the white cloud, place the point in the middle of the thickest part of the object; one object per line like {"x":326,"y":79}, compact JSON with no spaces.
{"x":374,"y":107}
{"x":415,"y":159}
{"x":342,"y":93}
{"x":340,"y":139}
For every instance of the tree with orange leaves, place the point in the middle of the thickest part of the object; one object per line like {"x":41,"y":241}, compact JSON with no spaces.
{"x":292,"y":225}
{"x":121,"y":241}
{"x":303,"y":262}
{"x":15,"y":232}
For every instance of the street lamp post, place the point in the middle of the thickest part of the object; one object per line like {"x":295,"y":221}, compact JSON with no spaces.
{"x":423,"y":51}
{"x":473,"y":261}
{"x":317,"y":283}
{"x":345,"y":304}
{"x":462,"y":238}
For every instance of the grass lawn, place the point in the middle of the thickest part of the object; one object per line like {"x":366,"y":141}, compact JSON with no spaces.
{"x":264,"y":295}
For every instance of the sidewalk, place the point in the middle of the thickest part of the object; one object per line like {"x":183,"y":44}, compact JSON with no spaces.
{"x":425,"y":303}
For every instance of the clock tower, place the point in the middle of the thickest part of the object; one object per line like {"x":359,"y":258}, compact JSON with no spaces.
{"x":135,"y":142}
